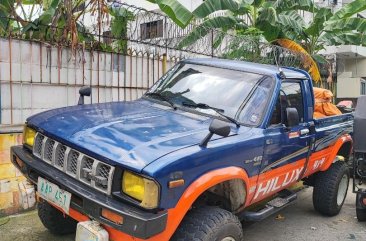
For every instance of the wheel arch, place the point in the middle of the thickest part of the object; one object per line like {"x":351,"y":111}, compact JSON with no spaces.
{"x":229,"y":195}
{"x":196,"y":189}
{"x":342,"y":146}
{"x":345,"y":150}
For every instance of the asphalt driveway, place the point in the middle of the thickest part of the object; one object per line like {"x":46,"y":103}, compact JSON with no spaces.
{"x":297,"y":222}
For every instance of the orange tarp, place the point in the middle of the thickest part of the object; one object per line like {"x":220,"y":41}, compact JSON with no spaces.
{"x":323,"y":104}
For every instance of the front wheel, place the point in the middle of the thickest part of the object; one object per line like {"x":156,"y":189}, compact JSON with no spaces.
{"x":54,"y":220}
{"x":330,"y":189}
{"x":209,"y":224}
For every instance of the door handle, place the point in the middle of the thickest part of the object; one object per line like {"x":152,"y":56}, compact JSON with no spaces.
{"x":304,"y":132}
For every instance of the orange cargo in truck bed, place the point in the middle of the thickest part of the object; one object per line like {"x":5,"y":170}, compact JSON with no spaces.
{"x":323,"y":104}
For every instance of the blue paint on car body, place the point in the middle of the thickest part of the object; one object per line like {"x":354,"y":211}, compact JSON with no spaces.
{"x":151,"y":138}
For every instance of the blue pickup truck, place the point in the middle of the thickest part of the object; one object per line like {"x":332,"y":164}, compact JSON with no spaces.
{"x":212,"y":143}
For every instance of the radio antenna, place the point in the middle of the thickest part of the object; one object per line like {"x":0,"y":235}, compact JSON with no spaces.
{"x":281,"y":73}
{"x":275,"y":57}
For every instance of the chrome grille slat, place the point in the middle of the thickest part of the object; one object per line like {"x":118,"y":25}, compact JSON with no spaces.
{"x":104,"y":170}
{"x":37,"y":147}
{"x":48,"y":150}
{"x":94,"y":173}
{"x":86,"y":169}
{"x":102,"y":175}
{"x":60,"y":156}
{"x":72,"y":162}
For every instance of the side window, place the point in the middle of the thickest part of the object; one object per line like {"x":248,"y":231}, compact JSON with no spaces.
{"x":292,"y":95}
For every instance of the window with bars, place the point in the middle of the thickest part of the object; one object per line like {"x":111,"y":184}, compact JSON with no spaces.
{"x":107,"y":37}
{"x":152,"y":29}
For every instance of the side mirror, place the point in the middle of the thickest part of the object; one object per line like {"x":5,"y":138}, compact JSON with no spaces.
{"x":83,"y":91}
{"x":292,"y":117}
{"x":217,"y":127}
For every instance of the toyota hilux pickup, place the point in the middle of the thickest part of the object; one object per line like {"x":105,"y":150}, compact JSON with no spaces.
{"x":212,"y":143}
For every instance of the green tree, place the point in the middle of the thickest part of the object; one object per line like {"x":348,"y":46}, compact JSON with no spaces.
{"x":326,"y":28}
{"x":254,"y":18}
{"x":58,"y":21}
{"x":175,"y":11}
{"x":120,"y":19}
{"x":330,"y":28}
{"x":278,"y":22}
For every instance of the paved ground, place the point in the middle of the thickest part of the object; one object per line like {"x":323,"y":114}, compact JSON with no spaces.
{"x":300,"y":222}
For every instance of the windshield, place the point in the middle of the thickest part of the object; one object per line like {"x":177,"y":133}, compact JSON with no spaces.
{"x":223,"y":90}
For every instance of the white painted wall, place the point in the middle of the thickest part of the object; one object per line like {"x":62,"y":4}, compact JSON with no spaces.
{"x":357,"y":66}
{"x":349,"y":77}
{"x":348,"y":86}
{"x":35,"y":77}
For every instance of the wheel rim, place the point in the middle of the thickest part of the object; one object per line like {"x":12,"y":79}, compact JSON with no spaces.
{"x":228,"y":239}
{"x":342,"y":189}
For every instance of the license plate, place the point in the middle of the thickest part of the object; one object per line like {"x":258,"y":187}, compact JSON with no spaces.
{"x":54,"y":194}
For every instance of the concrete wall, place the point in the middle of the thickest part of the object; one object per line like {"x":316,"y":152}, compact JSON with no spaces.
{"x":349,"y":77}
{"x":16,"y":194}
{"x":357,"y":66}
{"x":348,"y":86}
{"x":35,"y":77}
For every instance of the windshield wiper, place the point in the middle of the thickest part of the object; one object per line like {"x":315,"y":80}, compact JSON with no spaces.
{"x":162,"y":97}
{"x":218,"y":111}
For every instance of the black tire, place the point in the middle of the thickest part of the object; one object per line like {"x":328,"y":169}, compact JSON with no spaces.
{"x":326,"y":188}
{"x":54,"y":220}
{"x":209,"y":224}
{"x":360,"y":206}
{"x":361,"y":214}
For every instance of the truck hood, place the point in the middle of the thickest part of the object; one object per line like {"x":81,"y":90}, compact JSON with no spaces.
{"x":130,"y":134}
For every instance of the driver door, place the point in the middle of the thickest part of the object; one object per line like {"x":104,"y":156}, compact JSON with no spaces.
{"x":285,"y":148}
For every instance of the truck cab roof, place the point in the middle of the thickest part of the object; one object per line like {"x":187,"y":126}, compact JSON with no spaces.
{"x":266,"y":69}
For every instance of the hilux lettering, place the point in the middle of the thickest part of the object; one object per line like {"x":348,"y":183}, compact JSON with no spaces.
{"x":277,"y":183}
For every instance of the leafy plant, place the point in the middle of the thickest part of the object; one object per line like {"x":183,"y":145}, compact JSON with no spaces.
{"x":277,"y":22}
{"x":120,"y":19}
{"x":175,"y":10}
{"x":58,"y":21}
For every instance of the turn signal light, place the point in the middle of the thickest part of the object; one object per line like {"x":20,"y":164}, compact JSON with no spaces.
{"x":112,"y":216}
{"x":176,"y":183}
{"x":28,"y":136}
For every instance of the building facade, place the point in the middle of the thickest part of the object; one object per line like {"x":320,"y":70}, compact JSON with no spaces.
{"x":350,"y":63}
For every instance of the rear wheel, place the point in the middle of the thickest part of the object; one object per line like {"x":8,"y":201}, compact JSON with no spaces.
{"x":54,"y":220}
{"x":330,"y":189}
{"x":361,"y":214}
{"x":209,"y":224}
{"x":360,"y":206}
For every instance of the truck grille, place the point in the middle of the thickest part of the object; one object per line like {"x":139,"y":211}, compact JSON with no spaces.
{"x":88,"y":170}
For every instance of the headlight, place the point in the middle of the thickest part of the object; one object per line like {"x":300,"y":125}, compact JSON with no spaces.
{"x":142,"y":189}
{"x":28,"y":136}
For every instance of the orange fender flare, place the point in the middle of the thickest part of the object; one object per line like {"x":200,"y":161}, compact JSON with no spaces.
{"x":206,"y":181}
{"x":335,"y":149}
